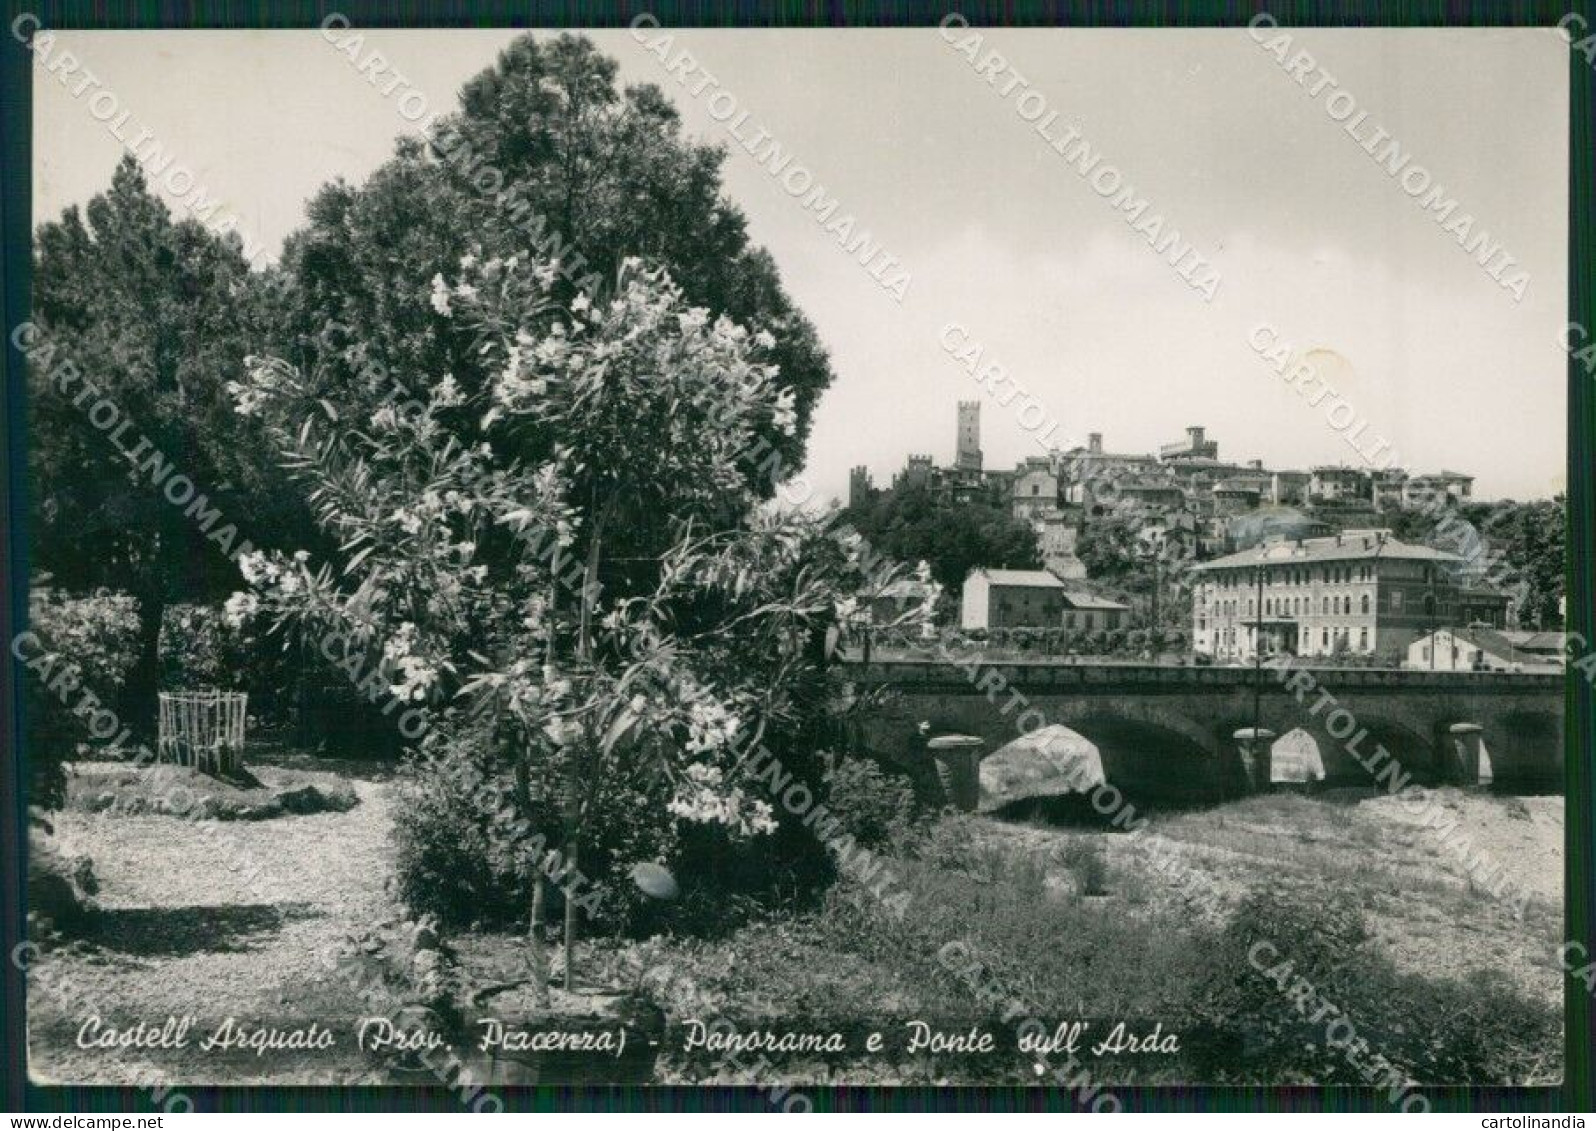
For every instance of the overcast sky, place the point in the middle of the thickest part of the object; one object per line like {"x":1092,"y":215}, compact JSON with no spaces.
{"x":1002,"y":236}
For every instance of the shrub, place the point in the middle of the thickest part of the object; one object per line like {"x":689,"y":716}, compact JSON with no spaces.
{"x":1437,"y":1030}
{"x":60,"y":889}
{"x":1059,"y":957}
{"x":451,"y":857}
{"x":876,"y":807}
{"x":199,"y":648}
{"x":464,"y":854}
{"x":467,"y":853}
{"x":1085,"y":860}
{"x":94,"y":637}
{"x":1430,"y":1030}
{"x":1320,"y":936}
{"x":729,"y":883}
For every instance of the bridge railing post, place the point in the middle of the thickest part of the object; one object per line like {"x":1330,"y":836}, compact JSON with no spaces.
{"x":1255,"y":748}
{"x":1470,"y":764}
{"x":958,"y":763}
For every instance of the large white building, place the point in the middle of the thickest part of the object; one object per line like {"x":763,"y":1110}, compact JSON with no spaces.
{"x":1360,"y":592}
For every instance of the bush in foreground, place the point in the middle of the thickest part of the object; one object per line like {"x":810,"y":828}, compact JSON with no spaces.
{"x":94,"y":637}
{"x":875,"y":806}
{"x":1287,"y":957}
{"x":60,"y":889}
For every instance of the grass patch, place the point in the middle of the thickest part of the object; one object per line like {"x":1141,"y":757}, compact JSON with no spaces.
{"x":1000,"y":929}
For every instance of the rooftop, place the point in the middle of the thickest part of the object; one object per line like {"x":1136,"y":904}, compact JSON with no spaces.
{"x":1144,"y":457}
{"x":1081,"y":600}
{"x":1538,"y":642}
{"x":1035,"y":578}
{"x":1343,"y":547}
{"x":1516,"y":647}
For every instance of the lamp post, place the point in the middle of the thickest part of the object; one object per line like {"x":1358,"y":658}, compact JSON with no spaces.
{"x":1255,"y":743}
{"x":1434,"y":619}
{"x":1156,"y":638}
{"x":1257,"y":652}
{"x":1154,"y":548}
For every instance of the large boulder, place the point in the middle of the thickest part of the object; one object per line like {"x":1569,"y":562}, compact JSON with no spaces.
{"x":1050,"y":762}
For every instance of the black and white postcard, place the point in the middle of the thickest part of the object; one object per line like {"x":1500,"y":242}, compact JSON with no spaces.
{"x":947,"y":555}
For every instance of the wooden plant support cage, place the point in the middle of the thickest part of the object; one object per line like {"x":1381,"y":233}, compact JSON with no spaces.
{"x":203,"y":729}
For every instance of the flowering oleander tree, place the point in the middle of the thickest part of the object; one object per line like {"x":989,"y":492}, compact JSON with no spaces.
{"x":493,"y":571}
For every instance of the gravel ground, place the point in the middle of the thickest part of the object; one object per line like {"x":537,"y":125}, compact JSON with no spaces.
{"x":241,"y":918}
{"x":214,"y":919}
{"x":1383,"y":854}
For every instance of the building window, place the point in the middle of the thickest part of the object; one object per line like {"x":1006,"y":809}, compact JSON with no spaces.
{"x":1363,"y":640}
{"x":1365,"y":604}
{"x":1324,"y":638}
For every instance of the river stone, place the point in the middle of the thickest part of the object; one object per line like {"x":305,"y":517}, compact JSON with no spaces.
{"x":1050,"y":762}
{"x":655,"y":880}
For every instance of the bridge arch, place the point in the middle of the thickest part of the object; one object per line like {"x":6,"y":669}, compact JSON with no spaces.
{"x":1146,"y":753}
{"x":1369,"y":747}
{"x":1525,"y":747}
{"x":1155,"y":759}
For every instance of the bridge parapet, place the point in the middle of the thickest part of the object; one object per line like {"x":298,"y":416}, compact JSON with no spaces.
{"x":1153,"y":722}
{"x":1044,"y":675}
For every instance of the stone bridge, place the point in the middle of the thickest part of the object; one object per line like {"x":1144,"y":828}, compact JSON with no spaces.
{"x":1171,"y":731}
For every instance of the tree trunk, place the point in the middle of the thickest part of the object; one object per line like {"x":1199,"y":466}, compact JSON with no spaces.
{"x":537,"y":955}
{"x":138,"y":696}
{"x":573,"y":850}
{"x":573,"y":797}
{"x":535,"y":952}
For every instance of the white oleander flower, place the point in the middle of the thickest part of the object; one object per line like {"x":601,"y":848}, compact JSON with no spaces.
{"x":239,"y":608}
{"x":448,"y":392}
{"x":440,"y":296}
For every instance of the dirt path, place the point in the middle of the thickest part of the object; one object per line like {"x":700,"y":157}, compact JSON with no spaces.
{"x":214,"y":919}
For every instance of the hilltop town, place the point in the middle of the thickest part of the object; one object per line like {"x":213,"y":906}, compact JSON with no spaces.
{"x":1218,"y":558}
